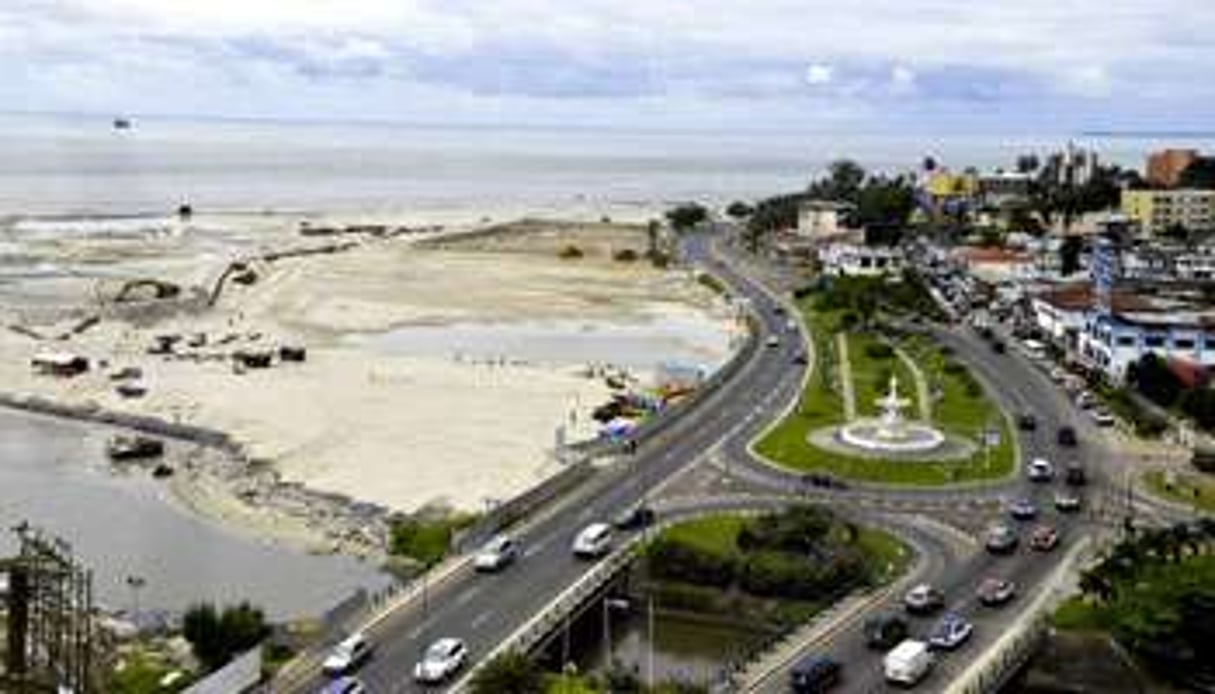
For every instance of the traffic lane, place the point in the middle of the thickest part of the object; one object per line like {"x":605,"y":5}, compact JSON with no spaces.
{"x":863,"y":671}
{"x":457,"y":610}
{"x":939,"y":554}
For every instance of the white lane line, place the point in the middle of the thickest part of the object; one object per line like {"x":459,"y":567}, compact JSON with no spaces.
{"x":537,"y":546}
{"x":466,"y":596}
{"x":481,"y":619}
{"x":417,"y":631}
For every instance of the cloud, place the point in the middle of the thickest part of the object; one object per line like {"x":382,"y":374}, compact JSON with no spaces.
{"x":469,"y":57}
{"x":818,"y":74}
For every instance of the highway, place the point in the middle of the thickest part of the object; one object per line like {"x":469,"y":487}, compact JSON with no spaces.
{"x":484,"y":610}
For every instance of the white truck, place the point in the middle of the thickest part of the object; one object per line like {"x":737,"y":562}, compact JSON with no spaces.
{"x":908,"y":663}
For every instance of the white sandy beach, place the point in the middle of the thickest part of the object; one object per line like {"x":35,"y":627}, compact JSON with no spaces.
{"x":401,"y":430}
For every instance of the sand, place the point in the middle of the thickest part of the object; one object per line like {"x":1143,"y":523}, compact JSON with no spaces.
{"x":403,"y":431}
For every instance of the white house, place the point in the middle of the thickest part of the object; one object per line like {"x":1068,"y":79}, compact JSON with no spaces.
{"x":855,"y":260}
{"x":821,"y":218}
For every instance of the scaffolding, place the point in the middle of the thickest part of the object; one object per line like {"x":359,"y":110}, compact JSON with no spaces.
{"x":50,"y":642}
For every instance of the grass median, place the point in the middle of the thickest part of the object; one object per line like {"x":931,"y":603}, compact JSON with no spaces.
{"x":962,"y":409}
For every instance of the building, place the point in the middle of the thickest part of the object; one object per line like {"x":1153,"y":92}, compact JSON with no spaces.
{"x":1140,"y":320}
{"x":1002,"y":188}
{"x":997,"y":265}
{"x":1169,"y":262}
{"x":822,"y":218}
{"x":1164,"y":167}
{"x":1157,"y":210}
{"x":853,"y":260}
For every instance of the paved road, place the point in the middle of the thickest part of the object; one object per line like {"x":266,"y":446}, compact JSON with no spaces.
{"x":1021,"y":388}
{"x":485,"y":609}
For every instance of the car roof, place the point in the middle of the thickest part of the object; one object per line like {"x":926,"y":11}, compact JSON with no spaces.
{"x":447,"y":643}
{"x":814,"y":661}
{"x":354,"y":639}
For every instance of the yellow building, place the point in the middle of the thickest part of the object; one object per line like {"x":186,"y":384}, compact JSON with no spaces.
{"x":943,"y":185}
{"x":1157,"y":210}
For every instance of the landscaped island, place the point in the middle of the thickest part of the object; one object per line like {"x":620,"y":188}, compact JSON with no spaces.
{"x":860,"y":338}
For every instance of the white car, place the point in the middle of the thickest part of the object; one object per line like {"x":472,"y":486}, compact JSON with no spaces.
{"x":347,"y":655}
{"x":496,"y":554}
{"x":442,"y":660}
{"x":1040,"y":470}
{"x":1102,"y":418}
{"x":594,"y":541}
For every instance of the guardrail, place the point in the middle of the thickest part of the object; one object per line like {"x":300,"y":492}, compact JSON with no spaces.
{"x":1012,"y":650}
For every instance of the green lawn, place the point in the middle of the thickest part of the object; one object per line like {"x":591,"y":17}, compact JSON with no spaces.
{"x":871,"y":376}
{"x":713,"y":534}
{"x":1077,"y":614}
{"x":888,"y":555}
{"x":958,"y":412}
{"x":427,"y":541}
{"x":1192,"y":489}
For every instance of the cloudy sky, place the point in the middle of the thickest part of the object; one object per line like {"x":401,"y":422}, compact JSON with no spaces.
{"x":874,"y":64}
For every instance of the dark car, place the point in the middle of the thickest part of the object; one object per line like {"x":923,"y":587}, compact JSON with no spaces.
{"x":634,"y":518}
{"x":1066,"y":437}
{"x":1027,"y":422}
{"x":814,"y":674}
{"x":800,"y":359}
{"x":997,"y":347}
{"x":1075,"y":476}
{"x":885,"y":631}
{"x":1023,"y":509}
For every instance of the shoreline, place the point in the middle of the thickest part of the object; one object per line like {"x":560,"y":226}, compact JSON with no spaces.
{"x":238,"y":482}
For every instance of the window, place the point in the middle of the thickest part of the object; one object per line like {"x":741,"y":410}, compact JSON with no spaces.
{"x":1153,"y":341}
{"x":1126,"y":340}
{"x":1183,"y":343}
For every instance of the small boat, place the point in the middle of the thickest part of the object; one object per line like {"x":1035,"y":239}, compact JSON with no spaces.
{"x":134,"y":447}
{"x":122,"y":124}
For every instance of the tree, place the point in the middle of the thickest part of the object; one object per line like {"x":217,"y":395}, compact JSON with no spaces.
{"x":686,"y":216}
{"x":510,"y":673}
{"x":1069,"y":255}
{"x":217,"y":637}
{"x":885,"y":202}
{"x":1199,"y":174}
{"x":1154,"y":380}
{"x":1027,"y":163}
{"x":842,"y":184}
{"x":739,"y":209}
{"x":1176,"y":231}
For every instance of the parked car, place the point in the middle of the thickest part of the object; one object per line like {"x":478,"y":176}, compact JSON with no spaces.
{"x":1103,"y":418}
{"x":345,"y":685}
{"x":496,"y":554}
{"x":884,"y":630}
{"x":908,"y":663}
{"x":348,"y":655}
{"x":1023,"y":509}
{"x":594,"y":541}
{"x":1044,"y":538}
{"x":814,"y":674}
{"x":635,"y":518}
{"x":1066,"y":436}
{"x":996,"y":591}
{"x":923,"y":599}
{"x":1000,"y":539}
{"x":1067,"y":502}
{"x":1026,"y":422}
{"x":1085,"y":400}
{"x":773,"y":341}
{"x":950,"y":632}
{"x":1075,"y":475}
{"x":1040,"y":470}
{"x":998,"y":347}
{"x":442,"y":660}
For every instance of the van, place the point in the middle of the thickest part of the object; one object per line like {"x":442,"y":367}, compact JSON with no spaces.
{"x":908,"y":663}
{"x":594,"y":541}
{"x":814,"y":674}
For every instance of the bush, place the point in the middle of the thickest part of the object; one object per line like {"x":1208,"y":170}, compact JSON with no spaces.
{"x":879,"y":350}
{"x":625,"y":255}
{"x":675,"y":560}
{"x":509,"y":673}
{"x":218,"y":637}
{"x":798,"y":530}
{"x":569,"y":253}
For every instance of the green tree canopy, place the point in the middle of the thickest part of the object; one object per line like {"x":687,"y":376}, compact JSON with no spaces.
{"x":217,"y":637}
{"x":510,"y":673}
{"x":1199,"y":174}
{"x":686,"y":216}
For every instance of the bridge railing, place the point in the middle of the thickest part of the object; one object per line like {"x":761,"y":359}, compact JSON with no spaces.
{"x":1012,"y":650}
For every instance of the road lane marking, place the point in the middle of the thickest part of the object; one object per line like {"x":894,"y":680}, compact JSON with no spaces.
{"x":481,"y":619}
{"x":468,"y":595}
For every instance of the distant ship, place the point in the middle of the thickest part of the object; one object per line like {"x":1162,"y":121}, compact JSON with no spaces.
{"x":122,"y":124}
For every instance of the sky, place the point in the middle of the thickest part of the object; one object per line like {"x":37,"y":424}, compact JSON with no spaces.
{"x":873,"y":65}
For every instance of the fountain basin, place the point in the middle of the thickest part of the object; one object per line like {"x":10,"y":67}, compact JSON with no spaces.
{"x":876,"y":436}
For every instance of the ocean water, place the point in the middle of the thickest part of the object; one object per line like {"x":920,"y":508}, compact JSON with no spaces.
{"x":82,"y":166}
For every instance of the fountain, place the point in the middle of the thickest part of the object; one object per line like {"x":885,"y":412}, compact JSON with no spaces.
{"x":891,"y":432}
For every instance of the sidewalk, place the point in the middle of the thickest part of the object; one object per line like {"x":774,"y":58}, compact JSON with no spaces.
{"x":845,"y":369}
